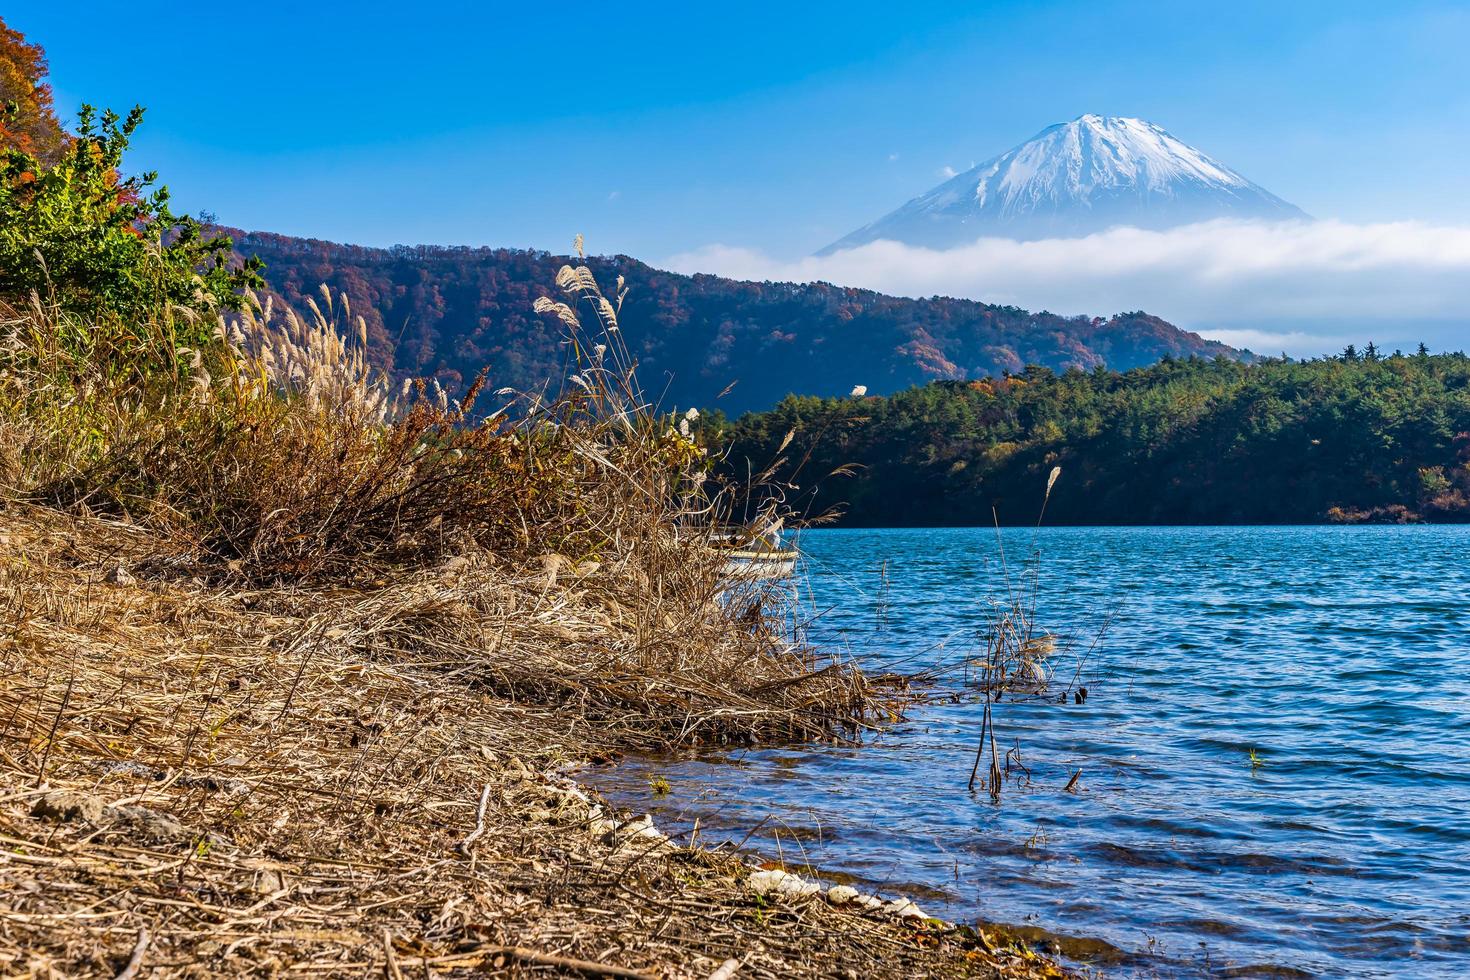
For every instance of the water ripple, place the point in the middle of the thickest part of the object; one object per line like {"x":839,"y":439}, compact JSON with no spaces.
{"x":1339,"y":656}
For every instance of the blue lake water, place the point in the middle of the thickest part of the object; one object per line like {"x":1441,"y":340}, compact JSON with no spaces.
{"x":1340,"y":656}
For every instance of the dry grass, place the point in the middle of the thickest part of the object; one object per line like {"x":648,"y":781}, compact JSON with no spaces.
{"x":290,"y":665}
{"x":278,"y":455}
{"x":282,"y":781}
{"x":280,"y":461}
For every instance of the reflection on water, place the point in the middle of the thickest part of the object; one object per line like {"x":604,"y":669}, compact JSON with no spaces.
{"x":1341,"y":656}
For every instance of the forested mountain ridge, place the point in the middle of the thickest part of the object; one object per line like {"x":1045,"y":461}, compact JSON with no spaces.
{"x":449,"y":312}
{"x":1352,"y":438}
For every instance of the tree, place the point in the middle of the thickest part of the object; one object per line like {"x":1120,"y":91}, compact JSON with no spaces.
{"x":1423,"y":351}
{"x":30,"y":122}
{"x":108,"y":245}
{"x":1370,"y":352}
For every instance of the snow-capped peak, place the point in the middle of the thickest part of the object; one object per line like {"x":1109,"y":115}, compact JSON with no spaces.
{"x":1076,"y":178}
{"x":1073,"y":159}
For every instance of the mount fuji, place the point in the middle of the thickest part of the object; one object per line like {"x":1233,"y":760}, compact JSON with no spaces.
{"x":1074,"y":179}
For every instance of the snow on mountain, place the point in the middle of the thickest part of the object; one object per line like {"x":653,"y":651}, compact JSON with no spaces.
{"x":1073,"y":179}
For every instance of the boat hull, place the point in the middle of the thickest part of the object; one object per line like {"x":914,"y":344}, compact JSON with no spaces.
{"x":756,"y":564}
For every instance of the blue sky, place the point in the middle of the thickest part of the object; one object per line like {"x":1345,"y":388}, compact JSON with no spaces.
{"x":657,"y":129}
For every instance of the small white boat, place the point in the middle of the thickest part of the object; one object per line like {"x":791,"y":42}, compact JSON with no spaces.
{"x":756,"y":555}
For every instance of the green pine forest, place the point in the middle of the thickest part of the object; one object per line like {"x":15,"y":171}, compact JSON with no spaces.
{"x":1359,"y":437}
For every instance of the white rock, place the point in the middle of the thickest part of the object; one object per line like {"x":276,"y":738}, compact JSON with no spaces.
{"x":870,"y":902}
{"x":904,"y":909}
{"x":765,"y":882}
{"x":842,"y":894}
{"x":566,"y":793}
{"x":639,"y":826}
{"x":647,"y":832}
{"x":781,"y":883}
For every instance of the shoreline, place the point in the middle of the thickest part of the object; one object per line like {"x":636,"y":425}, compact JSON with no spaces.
{"x":1084,"y":952}
{"x":198,"y":780}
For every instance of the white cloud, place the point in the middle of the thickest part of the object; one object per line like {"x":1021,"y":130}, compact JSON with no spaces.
{"x":947,"y":172}
{"x":1271,"y":342}
{"x":1297,"y":286}
{"x":614,"y":195}
{"x":892,"y":157}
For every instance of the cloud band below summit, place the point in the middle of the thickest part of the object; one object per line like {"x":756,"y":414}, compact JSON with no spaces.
{"x":1263,"y":277}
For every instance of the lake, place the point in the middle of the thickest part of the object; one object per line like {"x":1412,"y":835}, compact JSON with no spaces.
{"x":1275,"y":775}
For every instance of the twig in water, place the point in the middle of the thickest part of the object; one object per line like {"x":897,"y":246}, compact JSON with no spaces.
{"x":1001,"y":545}
{"x":995,"y":779}
{"x":884,"y":591}
{"x":980,"y":747}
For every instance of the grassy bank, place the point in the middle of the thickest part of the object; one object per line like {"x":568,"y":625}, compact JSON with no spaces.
{"x":294,"y":666}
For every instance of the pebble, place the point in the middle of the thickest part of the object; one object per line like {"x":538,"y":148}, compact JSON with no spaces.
{"x":151,"y":825}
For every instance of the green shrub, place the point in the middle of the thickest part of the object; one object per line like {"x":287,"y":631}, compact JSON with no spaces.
{"x":89,"y":241}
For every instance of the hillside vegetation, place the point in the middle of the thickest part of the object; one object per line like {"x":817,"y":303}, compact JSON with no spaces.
{"x":1360,"y":437}
{"x":448,"y":312}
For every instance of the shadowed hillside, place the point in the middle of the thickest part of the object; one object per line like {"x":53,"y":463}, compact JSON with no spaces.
{"x":435,"y":310}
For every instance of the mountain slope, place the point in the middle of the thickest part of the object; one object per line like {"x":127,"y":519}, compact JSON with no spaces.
{"x":449,"y":312}
{"x":1075,"y":179}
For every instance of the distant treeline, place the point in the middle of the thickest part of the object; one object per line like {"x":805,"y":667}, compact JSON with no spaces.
{"x":1357,"y":437}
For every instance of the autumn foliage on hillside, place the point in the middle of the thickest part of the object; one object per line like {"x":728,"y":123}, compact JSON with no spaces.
{"x":27,"y":117}
{"x":447,"y":312}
